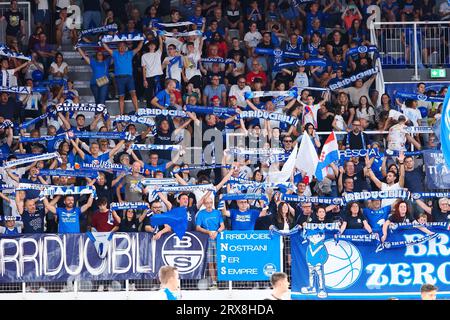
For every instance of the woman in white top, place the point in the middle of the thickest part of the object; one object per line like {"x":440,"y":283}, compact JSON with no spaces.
{"x":59,"y":69}
{"x":339,"y":123}
{"x":301,"y":79}
{"x":152,"y":70}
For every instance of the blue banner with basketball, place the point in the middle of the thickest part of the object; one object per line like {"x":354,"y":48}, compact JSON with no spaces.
{"x":60,"y":257}
{"x":248,"y":255}
{"x":360,"y":268}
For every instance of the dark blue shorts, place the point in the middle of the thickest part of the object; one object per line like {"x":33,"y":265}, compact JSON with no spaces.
{"x":124,"y":84}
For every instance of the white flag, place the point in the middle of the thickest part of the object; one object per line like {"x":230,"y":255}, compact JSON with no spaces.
{"x":307,"y":158}
{"x":286,"y":172}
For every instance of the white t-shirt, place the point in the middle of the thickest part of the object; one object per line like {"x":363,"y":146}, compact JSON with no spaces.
{"x":444,"y":8}
{"x":32,"y":102}
{"x":239,"y":94}
{"x":252,"y":38}
{"x":174,"y":71}
{"x":151,"y":61}
{"x":386,"y":187}
{"x":365,"y":113}
{"x":62,"y":3}
{"x":8,"y":78}
{"x":308,"y":117}
{"x":191,"y":64}
{"x":412,"y":114}
{"x":43,"y":5}
{"x":340,"y":123}
{"x":161,"y":295}
{"x":301,"y":80}
{"x":394,"y":114}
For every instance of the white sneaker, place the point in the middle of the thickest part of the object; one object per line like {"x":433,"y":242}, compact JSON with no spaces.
{"x":42,"y":289}
{"x":101,"y":288}
{"x":322,"y":294}
{"x":132,"y":287}
{"x":308,"y":290}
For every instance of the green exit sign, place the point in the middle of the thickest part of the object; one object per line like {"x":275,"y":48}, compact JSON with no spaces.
{"x":438,"y":73}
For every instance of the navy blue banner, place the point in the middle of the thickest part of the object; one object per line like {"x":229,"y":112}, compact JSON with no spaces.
{"x":436,"y":171}
{"x":353,"y":268}
{"x":58,"y":257}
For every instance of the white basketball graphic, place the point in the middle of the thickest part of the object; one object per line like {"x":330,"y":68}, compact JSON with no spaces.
{"x":344,"y":264}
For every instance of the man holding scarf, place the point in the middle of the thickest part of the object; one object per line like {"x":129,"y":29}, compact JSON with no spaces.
{"x":94,"y":149}
{"x":123,"y":72}
{"x":68,"y":218}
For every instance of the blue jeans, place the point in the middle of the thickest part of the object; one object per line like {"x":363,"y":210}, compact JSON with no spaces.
{"x":91,"y":19}
{"x":100,"y":93}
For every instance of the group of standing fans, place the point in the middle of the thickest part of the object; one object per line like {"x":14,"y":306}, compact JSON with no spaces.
{"x":214,"y":68}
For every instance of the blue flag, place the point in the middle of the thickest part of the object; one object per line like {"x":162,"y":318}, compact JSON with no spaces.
{"x":175,"y":218}
{"x":445,"y":129}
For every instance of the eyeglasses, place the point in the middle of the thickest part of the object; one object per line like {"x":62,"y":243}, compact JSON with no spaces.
{"x":287,"y":141}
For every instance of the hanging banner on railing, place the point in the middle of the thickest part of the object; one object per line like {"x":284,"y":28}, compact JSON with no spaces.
{"x":248,"y":255}
{"x":418,"y":97}
{"x":436,"y":171}
{"x":59,"y":257}
{"x":352,"y":268}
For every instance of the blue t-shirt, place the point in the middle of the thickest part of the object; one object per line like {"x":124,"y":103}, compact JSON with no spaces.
{"x":243,"y":220}
{"x":209,"y":220}
{"x":377,"y":218}
{"x":101,"y":158}
{"x":68,"y":220}
{"x":33,"y":222}
{"x":123,"y":63}
{"x":163,"y":98}
{"x":149,"y":169}
{"x":99,"y":69}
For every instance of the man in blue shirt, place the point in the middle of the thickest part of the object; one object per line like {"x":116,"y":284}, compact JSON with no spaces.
{"x":69,"y":217}
{"x":210,"y":222}
{"x":162,"y":98}
{"x":94,"y":150}
{"x":244,"y":218}
{"x":376,"y":216}
{"x":123,"y":72}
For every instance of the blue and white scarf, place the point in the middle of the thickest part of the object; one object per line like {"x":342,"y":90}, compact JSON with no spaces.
{"x":260,"y":94}
{"x":158,"y":182}
{"x":218,"y":60}
{"x":319,"y":200}
{"x":268,"y":116}
{"x":103,"y":166}
{"x":123,"y":37}
{"x":350,"y":153}
{"x":376,"y":195}
{"x":304,"y":63}
{"x":40,"y":157}
{"x":187,"y":188}
{"x":81,"y":107}
{"x":419,"y":129}
{"x":155,"y":147}
{"x":69,"y":173}
{"x":148,"y":121}
{"x":58,"y":190}
{"x":419,"y":97}
{"x":353,"y":78}
{"x":99,"y":30}
{"x":7,"y":52}
{"x":16,"y":89}
{"x":99,"y":135}
{"x":161,"y":25}
{"x":129,"y":205}
{"x":159,"y":112}
{"x":179,"y":34}
{"x":218,"y":111}
{"x":33,"y":121}
{"x":200,"y":167}
{"x":101,"y":241}
{"x":361,"y":49}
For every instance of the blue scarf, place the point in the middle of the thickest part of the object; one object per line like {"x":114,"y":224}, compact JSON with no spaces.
{"x":124,"y":37}
{"x":200,"y":167}
{"x":99,"y":30}
{"x":159,"y":112}
{"x":155,"y":147}
{"x":176,"y":59}
{"x":346,"y":81}
{"x":218,"y":60}
{"x":269,"y":116}
{"x":33,"y":121}
{"x":361,"y":49}
{"x":129,"y":205}
{"x":135,"y":119}
{"x":419,"y":97}
{"x":7,"y":52}
{"x":69,"y":173}
{"x":319,"y":200}
{"x":218,"y":111}
{"x":304,"y":63}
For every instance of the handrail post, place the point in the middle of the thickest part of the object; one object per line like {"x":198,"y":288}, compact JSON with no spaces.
{"x":416,"y":76}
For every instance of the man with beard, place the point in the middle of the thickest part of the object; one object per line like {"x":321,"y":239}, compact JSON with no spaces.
{"x":69,"y":217}
{"x":356,"y":139}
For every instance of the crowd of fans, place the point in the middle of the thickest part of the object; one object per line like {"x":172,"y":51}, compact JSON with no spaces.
{"x":167,"y":72}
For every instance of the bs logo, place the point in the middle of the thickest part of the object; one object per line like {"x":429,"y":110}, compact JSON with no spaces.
{"x":186,"y":254}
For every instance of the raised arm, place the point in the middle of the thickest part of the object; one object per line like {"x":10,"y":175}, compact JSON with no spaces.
{"x":48,"y":206}
{"x":77,"y":148}
{"x":108,"y":49}
{"x":165,"y":200}
{"x":84,"y":56}
{"x":138,"y":48}
{"x":425,"y":208}
{"x":116,"y":148}
{"x":88,"y":204}
{"x":401,"y":162}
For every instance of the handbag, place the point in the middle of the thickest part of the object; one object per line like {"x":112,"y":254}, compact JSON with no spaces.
{"x":102,"y":81}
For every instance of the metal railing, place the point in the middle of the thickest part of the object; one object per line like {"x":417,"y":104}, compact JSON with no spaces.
{"x":142,"y":285}
{"x":412,"y":44}
{"x":25,"y":9}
